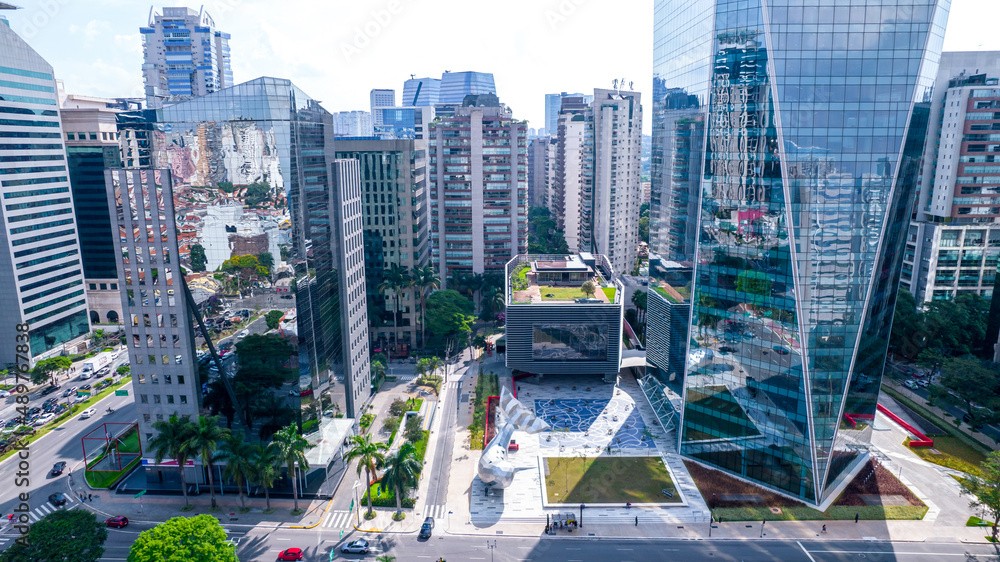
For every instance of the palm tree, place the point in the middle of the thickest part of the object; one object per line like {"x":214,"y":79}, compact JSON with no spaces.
{"x":426,"y":279}
{"x":396,"y":279}
{"x":291,"y":448}
{"x":401,"y":471}
{"x":173,"y":441}
{"x":264,"y":462}
{"x":639,"y":299}
{"x":370,"y":455}
{"x":206,"y":434}
{"x":238,"y":455}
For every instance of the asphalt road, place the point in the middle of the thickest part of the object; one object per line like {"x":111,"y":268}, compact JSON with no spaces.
{"x":265,"y":544}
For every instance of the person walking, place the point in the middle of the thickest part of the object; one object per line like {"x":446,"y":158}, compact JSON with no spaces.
{"x":824,"y":528}
{"x":856,"y":515}
{"x":636,"y":520}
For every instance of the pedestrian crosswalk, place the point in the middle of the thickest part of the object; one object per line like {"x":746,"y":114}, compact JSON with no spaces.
{"x":338,"y":519}
{"x":47,"y":508}
{"x":436,"y":511}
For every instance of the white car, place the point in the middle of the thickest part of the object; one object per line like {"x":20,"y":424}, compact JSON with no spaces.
{"x":88,"y":413}
{"x":43,"y":419}
{"x":4,"y":393}
{"x":243,"y":334}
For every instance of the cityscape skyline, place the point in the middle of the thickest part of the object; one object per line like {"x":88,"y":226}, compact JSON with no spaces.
{"x":102,"y":55}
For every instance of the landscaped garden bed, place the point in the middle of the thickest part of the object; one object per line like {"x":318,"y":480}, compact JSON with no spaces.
{"x":614,"y":480}
{"x":874,"y":494}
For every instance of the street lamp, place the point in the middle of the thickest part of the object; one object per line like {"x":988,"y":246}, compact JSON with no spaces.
{"x":581,"y":515}
{"x":357,"y":502}
{"x":492,"y":546}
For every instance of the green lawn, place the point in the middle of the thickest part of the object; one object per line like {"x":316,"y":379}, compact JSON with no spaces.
{"x":952,"y":453}
{"x":608,"y":480}
{"x":550,"y":293}
{"x":834,"y":513}
{"x":610,"y":293}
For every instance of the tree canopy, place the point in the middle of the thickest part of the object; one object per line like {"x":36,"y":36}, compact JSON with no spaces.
{"x":273,"y":318}
{"x":985,"y":489}
{"x":544,"y":235}
{"x":47,"y":539}
{"x":940,"y":329}
{"x":198,"y":258}
{"x":973,"y":381}
{"x":449,"y":314}
{"x":182,"y":539}
{"x":47,"y":369}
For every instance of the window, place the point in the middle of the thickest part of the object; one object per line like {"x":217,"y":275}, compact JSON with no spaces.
{"x":180,"y":379}
{"x":184,"y":399}
{"x":156,"y":399}
{"x":142,"y":378}
{"x":143,"y":399}
{"x":166,"y":379}
{"x":170,"y":399}
{"x":147,"y":418}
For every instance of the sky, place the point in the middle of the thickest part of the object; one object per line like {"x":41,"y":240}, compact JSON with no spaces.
{"x":338,"y":50}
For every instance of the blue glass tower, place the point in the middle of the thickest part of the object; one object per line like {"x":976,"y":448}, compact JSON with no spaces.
{"x":793,"y":131}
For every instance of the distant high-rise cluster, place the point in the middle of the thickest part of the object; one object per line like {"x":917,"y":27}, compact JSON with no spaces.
{"x":184,"y":56}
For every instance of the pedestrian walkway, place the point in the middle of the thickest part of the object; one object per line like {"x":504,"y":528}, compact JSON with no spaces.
{"x":436,"y":511}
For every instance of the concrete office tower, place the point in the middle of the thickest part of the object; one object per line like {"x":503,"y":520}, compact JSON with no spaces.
{"x":805,"y":199}
{"x":158,"y":324}
{"x":421,"y":92}
{"x":91,"y":146}
{"x":456,"y":85}
{"x":379,"y":99}
{"x":612,"y":193}
{"x":353,"y":124}
{"x":40,"y":267}
{"x":395,"y":223}
{"x":251,"y":176}
{"x":538,"y":171}
{"x":953,"y":246}
{"x":571,"y":160}
{"x":479,"y":189}
{"x":184,"y":56}
{"x":553,"y":104}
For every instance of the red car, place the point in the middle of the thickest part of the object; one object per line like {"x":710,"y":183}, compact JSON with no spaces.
{"x":119,"y":521}
{"x":290,"y":554}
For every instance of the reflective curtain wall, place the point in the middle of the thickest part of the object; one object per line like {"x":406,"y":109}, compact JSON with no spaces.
{"x":785,"y":150}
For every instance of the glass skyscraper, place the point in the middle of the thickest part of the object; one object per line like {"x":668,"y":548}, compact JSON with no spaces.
{"x":793,"y":131}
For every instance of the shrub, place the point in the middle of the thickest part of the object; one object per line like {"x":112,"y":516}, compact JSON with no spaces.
{"x":398,"y":407}
{"x":310,"y":426}
{"x":414,"y":431}
{"x":366,"y":421}
{"x":391,"y":425}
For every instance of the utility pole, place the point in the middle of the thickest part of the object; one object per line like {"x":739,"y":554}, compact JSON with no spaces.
{"x":492,"y":546}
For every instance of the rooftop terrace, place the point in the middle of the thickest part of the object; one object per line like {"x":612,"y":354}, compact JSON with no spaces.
{"x":551,"y":279}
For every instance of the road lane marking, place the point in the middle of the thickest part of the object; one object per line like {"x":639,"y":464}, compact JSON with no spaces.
{"x":806,"y":551}
{"x":890,"y":552}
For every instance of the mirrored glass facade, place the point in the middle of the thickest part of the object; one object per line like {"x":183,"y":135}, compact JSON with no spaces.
{"x":786,"y":141}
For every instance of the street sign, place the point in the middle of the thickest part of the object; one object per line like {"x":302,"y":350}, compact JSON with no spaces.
{"x":140,"y":494}
{"x":122,"y":392}
{"x":352,"y":506}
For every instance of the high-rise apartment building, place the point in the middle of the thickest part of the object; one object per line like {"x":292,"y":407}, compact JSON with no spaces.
{"x":252,"y":174}
{"x":953,"y":246}
{"x":394,"y":201}
{"x":478,"y":187}
{"x":184,"y":56}
{"x":571,"y":165}
{"x":553,"y":104}
{"x":92,"y":146}
{"x":404,"y":122}
{"x":809,"y":160}
{"x":612,"y":194}
{"x":596,"y":194}
{"x":353,"y":124}
{"x":538,"y":171}
{"x":421,"y":92}
{"x":40,"y":266}
{"x":456,"y":85}
{"x":380,"y":98}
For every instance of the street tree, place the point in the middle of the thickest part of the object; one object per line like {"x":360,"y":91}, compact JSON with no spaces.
{"x":971,"y":380}
{"x":200,"y":537}
{"x":206,"y":435}
{"x":370,"y":456}
{"x":985,"y":488}
{"x":273,"y":319}
{"x":426,"y":280}
{"x":402,"y":470}
{"x":49,"y":369}
{"x":264,"y":463}
{"x":449,"y":314}
{"x":47,"y":539}
{"x":198,"y":258}
{"x":237,"y":453}
{"x":291,"y":448}
{"x":395,"y":280}
{"x":639,"y":300}
{"x":173,"y":441}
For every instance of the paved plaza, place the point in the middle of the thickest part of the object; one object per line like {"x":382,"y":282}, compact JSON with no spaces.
{"x":589,"y":418}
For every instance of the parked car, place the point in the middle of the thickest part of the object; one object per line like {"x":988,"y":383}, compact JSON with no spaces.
{"x":58,"y":499}
{"x":88,"y":413}
{"x":292,"y":554}
{"x":118,"y":521}
{"x":911,"y":384}
{"x":58,"y":468}
{"x":359,"y":546}
{"x":243,"y":334}
{"x":426,"y":528}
